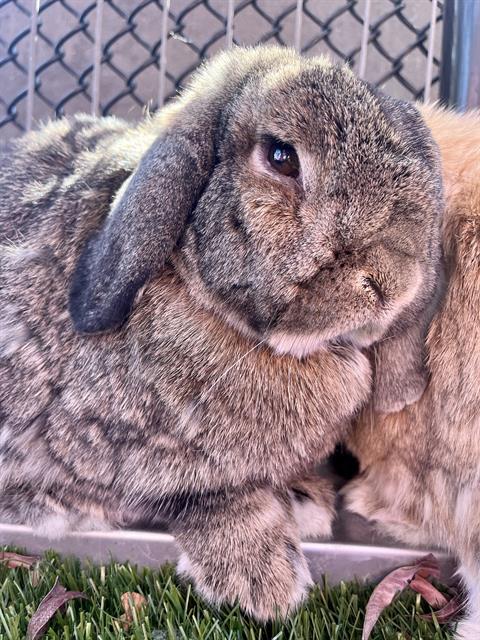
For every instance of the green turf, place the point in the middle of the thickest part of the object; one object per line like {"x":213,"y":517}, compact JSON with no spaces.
{"x":174,"y":612}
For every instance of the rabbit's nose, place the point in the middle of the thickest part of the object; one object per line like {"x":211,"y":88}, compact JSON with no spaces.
{"x":324,"y":257}
{"x":334,"y":257}
{"x":347,"y":258}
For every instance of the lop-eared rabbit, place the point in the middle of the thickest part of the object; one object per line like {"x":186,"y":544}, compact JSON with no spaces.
{"x":420,"y":468}
{"x":185,"y":304}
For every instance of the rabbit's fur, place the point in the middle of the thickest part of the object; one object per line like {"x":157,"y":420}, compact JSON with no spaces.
{"x":420,"y":468}
{"x":205,"y":279}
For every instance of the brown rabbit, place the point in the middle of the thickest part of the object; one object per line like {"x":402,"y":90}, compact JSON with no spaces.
{"x":420,"y":468}
{"x":279,"y":209}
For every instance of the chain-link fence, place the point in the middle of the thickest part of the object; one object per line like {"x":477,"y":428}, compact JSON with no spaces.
{"x":121,"y":56}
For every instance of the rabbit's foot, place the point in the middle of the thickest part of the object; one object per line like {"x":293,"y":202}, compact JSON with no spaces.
{"x":387,"y":495}
{"x":247,"y":552}
{"x":313,"y":500}
{"x":263,"y":595}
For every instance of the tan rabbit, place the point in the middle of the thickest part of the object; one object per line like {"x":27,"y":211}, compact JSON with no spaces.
{"x":279,"y":209}
{"x":420,"y":468}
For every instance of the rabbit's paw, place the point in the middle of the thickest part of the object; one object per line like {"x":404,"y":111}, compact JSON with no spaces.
{"x":313,"y":501}
{"x":394,"y":390}
{"x":359,"y":496}
{"x":246,"y":552}
{"x":388,"y":495}
{"x":263,"y":592}
{"x":400,"y":373}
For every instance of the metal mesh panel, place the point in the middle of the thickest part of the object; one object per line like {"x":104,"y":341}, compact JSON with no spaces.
{"x":55,"y":58}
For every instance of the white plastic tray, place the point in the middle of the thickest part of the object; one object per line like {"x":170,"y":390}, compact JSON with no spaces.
{"x":355,"y":552}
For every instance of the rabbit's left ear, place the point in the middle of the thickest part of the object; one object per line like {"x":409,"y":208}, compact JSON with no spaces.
{"x":150,"y":214}
{"x":141,"y":230}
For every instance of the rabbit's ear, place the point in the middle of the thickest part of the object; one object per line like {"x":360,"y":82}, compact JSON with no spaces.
{"x":141,"y":230}
{"x":148,"y":217}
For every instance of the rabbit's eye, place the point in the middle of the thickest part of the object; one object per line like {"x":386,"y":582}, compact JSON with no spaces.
{"x":283,"y":158}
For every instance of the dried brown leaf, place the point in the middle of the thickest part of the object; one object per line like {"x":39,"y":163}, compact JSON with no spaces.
{"x":51,"y":603}
{"x":431,"y":594}
{"x":447,"y":613}
{"x":132,"y":603}
{"x":14,"y":560}
{"x":428,"y":567}
{"x":391,"y":585}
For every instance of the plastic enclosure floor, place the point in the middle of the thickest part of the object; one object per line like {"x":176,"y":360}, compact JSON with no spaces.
{"x":355,"y":552}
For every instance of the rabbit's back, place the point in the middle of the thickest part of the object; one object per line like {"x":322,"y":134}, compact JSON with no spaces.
{"x":52,"y":169}
{"x":57,"y":184}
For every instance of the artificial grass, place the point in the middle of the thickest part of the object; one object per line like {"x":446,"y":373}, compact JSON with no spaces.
{"x":174,"y":612}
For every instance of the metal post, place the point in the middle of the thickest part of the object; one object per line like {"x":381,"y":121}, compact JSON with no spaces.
{"x":362,"y":65}
{"x":460,"y":85}
{"x":297,"y":40}
{"x":430,"y":48}
{"x":163,"y":54}
{"x":32,"y":62}
{"x":230,"y":19}
{"x":97,"y":59}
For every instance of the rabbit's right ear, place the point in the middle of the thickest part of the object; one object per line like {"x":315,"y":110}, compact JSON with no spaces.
{"x":141,"y":230}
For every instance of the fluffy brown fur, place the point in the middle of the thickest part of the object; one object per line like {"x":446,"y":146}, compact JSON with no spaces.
{"x":420,"y":468}
{"x":201,"y":278}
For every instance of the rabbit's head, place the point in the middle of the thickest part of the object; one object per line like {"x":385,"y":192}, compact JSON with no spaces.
{"x":295,"y":200}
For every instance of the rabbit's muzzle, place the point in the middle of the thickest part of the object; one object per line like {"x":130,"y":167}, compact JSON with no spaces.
{"x":354,"y":299}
